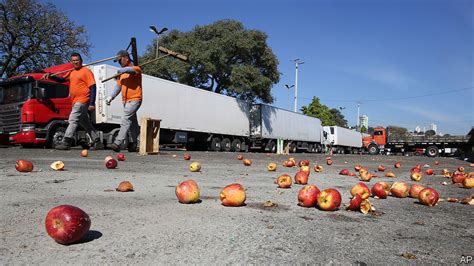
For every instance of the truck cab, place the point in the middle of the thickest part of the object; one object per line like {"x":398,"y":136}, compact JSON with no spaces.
{"x":376,"y":141}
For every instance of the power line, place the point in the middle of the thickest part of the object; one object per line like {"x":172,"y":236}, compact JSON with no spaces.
{"x":396,"y":99}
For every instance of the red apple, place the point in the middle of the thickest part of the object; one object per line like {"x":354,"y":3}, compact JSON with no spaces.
{"x":107,"y":158}
{"x":458,"y":177}
{"x":390,"y":174}
{"x":303,"y":162}
{"x":397,"y":165}
{"x":344,"y":172}
{"x":84,"y":153}
{"x":301,"y":177}
{"x":436,"y":163}
{"x":361,"y":189}
{"x":445,"y":172}
{"x":357,"y":168}
{"x":415,"y":190}
{"x":24,"y":166}
{"x":381,"y":190}
{"x":461,"y":169}
{"x":329,"y":199}
{"x":111,"y":164}
{"x":240,"y":157}
{"x":306,"y":169}
{"x":289,"y":163}
{"x":318,"y":168}
{"x":233,"y":195}
{"x":271,"y":167}
{"x":428,"y":196}
{"x":400,"y":189}
{"x":247,"y":162}
{"x":415,"y":170}
{"x":429,"y":172}
{"x":365,"y":206}
{"x":354,"y":204}
{"x":187,"y":192}
{"x":415,"y":176}
{"x":187,"y":156}
{"x":329,"y":162}
{"x":365,"y":176}
{"x":381,"y":168}
{"x":284,"y":181}
{"x":121,"y":157}
{"x":308,"y":196}
{"x":67,"y":224}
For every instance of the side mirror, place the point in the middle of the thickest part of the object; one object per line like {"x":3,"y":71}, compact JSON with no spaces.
{"x":40,"y":93}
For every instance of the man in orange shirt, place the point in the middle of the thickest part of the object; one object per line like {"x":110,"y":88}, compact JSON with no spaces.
{"x":82,"y":91}
{"x":130,"y":84}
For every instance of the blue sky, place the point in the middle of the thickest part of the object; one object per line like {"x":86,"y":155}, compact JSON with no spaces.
{"x":353,"y":50}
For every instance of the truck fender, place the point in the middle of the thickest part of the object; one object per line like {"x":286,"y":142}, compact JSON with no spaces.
{"x":53,"y":124}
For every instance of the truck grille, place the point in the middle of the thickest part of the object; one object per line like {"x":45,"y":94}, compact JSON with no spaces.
{"x":10,"y":118}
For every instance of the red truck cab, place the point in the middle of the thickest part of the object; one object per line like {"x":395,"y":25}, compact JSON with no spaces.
{"x":376,"y":140}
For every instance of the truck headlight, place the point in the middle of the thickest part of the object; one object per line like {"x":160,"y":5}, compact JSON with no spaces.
{"x":28,"y":127}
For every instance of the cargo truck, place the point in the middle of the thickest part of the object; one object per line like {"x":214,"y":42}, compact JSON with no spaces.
{"x":342,"y":140}
{"x":36,"y":113}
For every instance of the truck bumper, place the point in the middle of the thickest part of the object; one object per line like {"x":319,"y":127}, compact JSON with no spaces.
{"x":26,"y":137}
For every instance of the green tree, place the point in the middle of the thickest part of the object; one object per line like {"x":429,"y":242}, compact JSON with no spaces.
{"x":363,"y":129}
{"x":397,"y":131}
{"x":35,"y":35}
{"x":321,"y":111}
{"x":338,"y":117}
{"x":224,"y":57}
{"x":430,"y":133}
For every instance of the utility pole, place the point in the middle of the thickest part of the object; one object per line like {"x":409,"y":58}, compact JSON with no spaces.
{"x":289,"y":87}
{"x":358,"y":116}
{"x":297,"y":62}
{"x":155,"y":30}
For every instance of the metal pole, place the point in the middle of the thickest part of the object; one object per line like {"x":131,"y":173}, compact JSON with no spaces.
{"x":358,"y":106}
{"x":156,"y":55}
{"x":296,"y":88}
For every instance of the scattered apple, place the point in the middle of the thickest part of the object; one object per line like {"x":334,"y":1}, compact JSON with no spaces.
{"x":318,"y":168}
{"x":415,"y":170}
{"x":445,"y":172}
{"x":111,"y":164}
{"x":344,"y":172}
{"x":400,"y":189}
{"x":289,"y":163}
{"x":233,"y":195}
{"x":187,"y":156}
{"x":436,"y":163}
{"x":240,"y":157}
{"x":397,"y":165}
{"x":366,"y":206}
{"x":303,"y":162}
{"x":461,"y":169}
{"x":120,"y":157}
{"x":247,"y":162}
{"x":458,"y":177}
{"x":308,"y":196}
{"x":381,"y":168}
{"x":415,"y":176}
{"x":365,"y":176}
{"x":428,"y":196}
{"x":271,"y":167}
{"x":468,"y":182}
{"x":381,"y":190}
{"x":357,"y":168}
{"x":329,"y":199}
{"x":195,"y":167}
{"x":24,"y":166}
{"x":361,"y":189}
{"x":354,"y":204}
{"x":84,"y":153}
{"x":390,"y":174}
{"x":187,"y":192}
{"x":107,"y":158}
{"x":329,"y":162}
{"x":429,"y":171}
{"x":415,"y":190}
{"x":67,"y":224}
{"x":124,"y":186}
{"x":57,"y":166}
{"x":301,"y":177}
{"x":306,"y":169}
{"x":284,"y":181}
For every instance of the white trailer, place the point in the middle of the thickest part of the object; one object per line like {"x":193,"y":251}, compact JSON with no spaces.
{"x":202,"y":119}
{"x":342,"y":140}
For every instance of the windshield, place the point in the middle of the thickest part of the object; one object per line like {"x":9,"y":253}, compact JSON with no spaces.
{"x":13,"y":93}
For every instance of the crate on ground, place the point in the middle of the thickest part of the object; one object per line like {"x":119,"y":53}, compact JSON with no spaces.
{"x":149,"y":136}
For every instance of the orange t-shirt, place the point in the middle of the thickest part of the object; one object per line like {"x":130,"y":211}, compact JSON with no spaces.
{"x":79,"y":83}
{"x":131,"y":85}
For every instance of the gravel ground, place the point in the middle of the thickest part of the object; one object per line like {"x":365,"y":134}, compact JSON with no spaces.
{"x":149,"y":225}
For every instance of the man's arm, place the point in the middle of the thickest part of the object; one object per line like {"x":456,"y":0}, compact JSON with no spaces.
{"x":115,"y":91}
{"x":128,"y":70}
{"x":93,"y":90}
{"x":54,"y":77}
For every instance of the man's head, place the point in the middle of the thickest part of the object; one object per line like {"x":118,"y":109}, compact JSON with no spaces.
{"x":76,"y":60}
{"x":123,"y":58}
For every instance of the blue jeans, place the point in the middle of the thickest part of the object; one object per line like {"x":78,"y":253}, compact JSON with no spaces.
{"x":129,"y":122}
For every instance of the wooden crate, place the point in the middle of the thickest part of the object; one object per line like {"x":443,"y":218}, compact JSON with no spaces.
{"x":149,"y":136}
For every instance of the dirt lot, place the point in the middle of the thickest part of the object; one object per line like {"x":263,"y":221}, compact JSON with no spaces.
{"x":149,"y":225}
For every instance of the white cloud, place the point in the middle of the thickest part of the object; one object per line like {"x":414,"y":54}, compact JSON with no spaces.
{"x":386,"y":75}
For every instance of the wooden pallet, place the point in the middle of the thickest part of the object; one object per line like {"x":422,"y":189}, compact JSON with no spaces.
{"x":149,"y":136}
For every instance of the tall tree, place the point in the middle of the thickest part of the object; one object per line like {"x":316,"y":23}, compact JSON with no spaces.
{"x":338,"y":118}
{"x":224,"y":57}
{"x":34,"y":35}
{"x":321,"y":111}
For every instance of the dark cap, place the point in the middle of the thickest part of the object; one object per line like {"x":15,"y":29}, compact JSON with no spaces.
{"x":120,"y":54}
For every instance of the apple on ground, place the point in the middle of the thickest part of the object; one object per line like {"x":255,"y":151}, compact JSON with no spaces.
{"x":329,"y":199}
{"x":247,"y":162}
{"x":308,"y":196}
{"x":303,"y":162}
{"x":381,"y":168}
{"x":357,"y":168}
{"x":445,"y":172}
{"x":187,"y":156}
{"x":271,"y":167}
{"x":306,"y":169}
{"x":428,"y":196}
{"x":365,"y":176}
{"x":344,"y":172}
{"x":240,"y":157}
{"x":195,"y":167}
{"x":125,"y":186}
{"x":436,"y":163}
{"x":84,"y":153}
{"x":233,"y":195}
{"x":120,"y":157}
{"x":415,"y":170}
{"x":415,"y":176}
{"x":289,"y":163}
{"x":397,"y":165}
{"x":390,"y":174}
{"x":107,"y":158}
{"x":57,"y":166}
{"x":301,"y":177}
{"x":381,"y":190}
{"x":468,"y":182}
{"x":67,"y":224}
{"x":329,"y":162}
{"x":458,"y":177}
{"x":400,"y":189}
{"x":461,"y":169}
{"x":361,"y":189}
{"x":24,"y":166}
{"x":354,"y":204}
{"x":111,"y":164}
{"x":366,"y":206}
{"x":187,"y":192}
{"x":318,"y":168}
{"x":415,"y":190}
{"x":284,"y":181}
{"x":429,"y":172}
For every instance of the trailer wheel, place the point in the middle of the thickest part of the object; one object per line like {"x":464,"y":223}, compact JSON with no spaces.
{"x":373,"y":149}
{"x":432,"y":151}
{"x":225,"y":144}
{"x":293,"y":148}
{"x":272,"y":147}
{"x":236,"y":145}
{"x":215,"y":144}
{"x":56,"y":137}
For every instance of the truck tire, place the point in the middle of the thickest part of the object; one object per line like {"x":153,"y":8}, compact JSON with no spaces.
{"x":225,"y":144}
{"x":432,"y":151}
{"x":236,"y":145}
{"x":293,"y":148}
{"x":56,"y":136}
{"x":373,"y":149}
{"x":272,"y":147}
{"x":215,"y":144}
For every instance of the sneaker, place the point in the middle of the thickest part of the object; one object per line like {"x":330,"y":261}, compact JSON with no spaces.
{"x":114,"y":147}
{"x":98,"y":145}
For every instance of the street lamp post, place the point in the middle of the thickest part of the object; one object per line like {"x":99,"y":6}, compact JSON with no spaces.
{"x":155,"y":30}
{"x":289,"y":87}
{"x":297,"y":62}
{"x":358,"y":116}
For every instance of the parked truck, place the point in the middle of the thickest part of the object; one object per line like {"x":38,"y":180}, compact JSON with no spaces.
{"x":35,"y":112}
{"x":383,"y":142}
{"x":342,"y":140}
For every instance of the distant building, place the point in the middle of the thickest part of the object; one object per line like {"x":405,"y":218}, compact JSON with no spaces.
{"x":364,"y":121}
{"x":417,"y":129}
{"x":434,"y":127}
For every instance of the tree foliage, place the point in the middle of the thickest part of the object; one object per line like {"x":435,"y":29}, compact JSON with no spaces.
{"x":430,"y":133}
{"x":34,"y":35}
{"x":363,"y":129}
{"x":397,"y":131}
{"x":328,"y":117}
{"x":224,"y":57}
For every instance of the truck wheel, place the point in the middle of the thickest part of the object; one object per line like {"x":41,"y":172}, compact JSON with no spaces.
{"x":373,"y":149}
{"x":293,"y":148}
{"x":236,"y":145}
{"x":225,"y":144}
{"x":272,"y":148}
{"x":318,"y":148}
{"x":432,"y":151}
{"x":215,"y":144}
{"x":56,"y":137}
